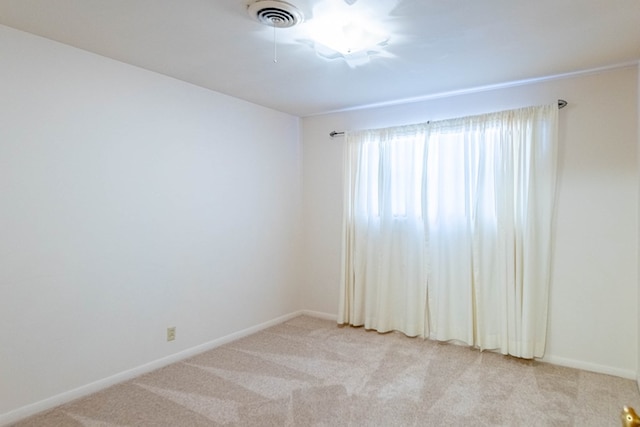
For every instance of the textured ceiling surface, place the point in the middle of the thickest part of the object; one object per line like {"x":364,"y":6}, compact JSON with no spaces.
{"x":435,"y":46}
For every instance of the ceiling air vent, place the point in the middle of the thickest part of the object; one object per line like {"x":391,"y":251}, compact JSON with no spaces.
{"x":275,"y":13}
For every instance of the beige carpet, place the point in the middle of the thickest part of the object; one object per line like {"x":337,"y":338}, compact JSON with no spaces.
{"x":310,"y":372}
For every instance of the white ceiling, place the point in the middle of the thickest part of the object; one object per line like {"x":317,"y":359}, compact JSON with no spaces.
{"x":437,"y":46}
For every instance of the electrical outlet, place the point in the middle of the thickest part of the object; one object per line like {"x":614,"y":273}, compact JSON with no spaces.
{"x":171,"y":333}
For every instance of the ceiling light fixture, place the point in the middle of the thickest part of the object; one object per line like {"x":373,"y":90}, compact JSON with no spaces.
{"x":354,"y":32}
{"x":345,"y":33}
{"x":353,"y":39}
{"x":339,"y":29}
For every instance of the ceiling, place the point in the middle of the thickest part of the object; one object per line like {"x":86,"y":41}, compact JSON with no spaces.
{"x":435,"y":46}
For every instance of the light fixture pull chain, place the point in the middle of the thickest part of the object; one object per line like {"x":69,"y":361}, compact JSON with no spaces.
{"x":275,"y":45}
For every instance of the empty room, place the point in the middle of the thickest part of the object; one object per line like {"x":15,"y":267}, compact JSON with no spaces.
{"x":319,"y":212}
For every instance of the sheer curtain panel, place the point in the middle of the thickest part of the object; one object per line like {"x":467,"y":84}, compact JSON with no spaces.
{"x":447,"y":229}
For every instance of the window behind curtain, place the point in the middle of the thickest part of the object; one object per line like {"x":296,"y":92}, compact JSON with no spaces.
{"x":447,"y":229}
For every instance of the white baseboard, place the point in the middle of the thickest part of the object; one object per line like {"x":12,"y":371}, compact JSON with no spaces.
{"x":591,"y":367}
{"x":85,"y":390}
{"x":320,"y":315}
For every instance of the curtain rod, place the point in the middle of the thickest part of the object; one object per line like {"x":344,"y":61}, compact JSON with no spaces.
{"x":561,"y":104}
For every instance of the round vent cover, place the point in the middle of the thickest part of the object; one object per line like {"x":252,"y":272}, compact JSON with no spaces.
{"x":275,"y":13}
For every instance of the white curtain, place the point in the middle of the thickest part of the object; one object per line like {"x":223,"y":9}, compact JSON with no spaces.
{"x":447,"y":229}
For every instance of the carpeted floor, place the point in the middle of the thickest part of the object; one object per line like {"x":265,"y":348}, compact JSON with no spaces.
{"x":308,"y":371}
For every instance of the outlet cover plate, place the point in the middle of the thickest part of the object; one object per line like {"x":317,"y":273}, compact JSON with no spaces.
{"x":171,"y":333}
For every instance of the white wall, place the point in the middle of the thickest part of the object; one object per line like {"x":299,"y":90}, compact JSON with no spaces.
{"x":130,"y":202}
{"x":593,"y":322}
